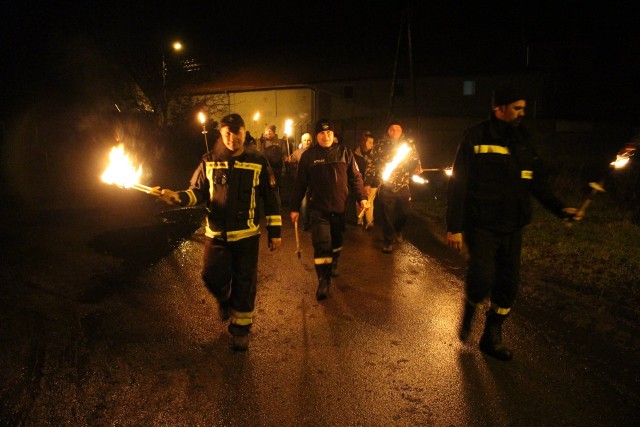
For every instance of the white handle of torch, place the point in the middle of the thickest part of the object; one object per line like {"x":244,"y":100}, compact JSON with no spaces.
{"x":144,"y":189}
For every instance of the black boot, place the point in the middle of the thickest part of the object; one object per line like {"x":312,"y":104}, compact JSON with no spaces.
{"x":467,"y":319}
{"x":323,"y":289}
{"x":324,"y":281}
{"x":491,"y":341}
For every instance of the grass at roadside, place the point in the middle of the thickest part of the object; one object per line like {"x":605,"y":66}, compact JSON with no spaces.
{"x":597,"y":259}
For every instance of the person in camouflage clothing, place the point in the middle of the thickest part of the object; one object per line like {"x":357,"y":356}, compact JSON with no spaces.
{"x":393,"y":190}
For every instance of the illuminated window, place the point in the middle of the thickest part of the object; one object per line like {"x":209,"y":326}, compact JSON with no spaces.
{"x":469,"y":87}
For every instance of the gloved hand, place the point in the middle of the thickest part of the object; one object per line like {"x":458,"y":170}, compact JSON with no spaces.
{"x":454,"y":240}
{"x":170,"y":197}
{"x":275,"y":243}
{"x":572,"y":214}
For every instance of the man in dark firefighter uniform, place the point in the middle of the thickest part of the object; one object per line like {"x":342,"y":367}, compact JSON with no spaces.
{"x":327,"y":171}
{"x":229,"y":180}
{"x":495,"y":171}
{"x":394,"y":193}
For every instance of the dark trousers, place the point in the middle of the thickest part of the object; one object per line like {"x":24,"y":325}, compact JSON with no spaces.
{"x":396,"y":209}
{"x":230,"y":272}
{"x":327,"y":237}
{"x":494,"y":266}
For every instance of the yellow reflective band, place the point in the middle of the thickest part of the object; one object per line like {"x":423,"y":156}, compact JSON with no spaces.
{"x":241,"y":318}
{"x":217,"y":165}
{"x":233,"y":236}
{"x":526,"y":174}
{"x":500,"y":310}
{"x":322,"y":261}
{"x":192,"y":198}
{"x":490,"y":149}
{"x":337,"y":249}
{"x":274,"y":220}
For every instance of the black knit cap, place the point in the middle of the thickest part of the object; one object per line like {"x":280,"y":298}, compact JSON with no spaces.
{"x":234,"y":121}
{"x":323,"y":125}
{"x":506,"y":94}
{"x":394,"y":122}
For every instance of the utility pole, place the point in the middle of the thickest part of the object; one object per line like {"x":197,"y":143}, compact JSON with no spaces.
{"x":404,"y":21}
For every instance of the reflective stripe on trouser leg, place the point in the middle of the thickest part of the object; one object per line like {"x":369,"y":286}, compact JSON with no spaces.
{"x":500,"y":310}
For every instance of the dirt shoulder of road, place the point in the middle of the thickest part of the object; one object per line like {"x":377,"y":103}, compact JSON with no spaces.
{"x":592,"y":314}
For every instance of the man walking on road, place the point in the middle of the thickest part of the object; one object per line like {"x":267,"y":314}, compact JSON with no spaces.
{"x":326,"y":172}
{"x":229,"y":180}
{"x":495,"y":171}
{"x":394,"y":192}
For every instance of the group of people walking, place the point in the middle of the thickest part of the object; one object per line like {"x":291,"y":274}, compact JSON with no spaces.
{"x":496,"y":170}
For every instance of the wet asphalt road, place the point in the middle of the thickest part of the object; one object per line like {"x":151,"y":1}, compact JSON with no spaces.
{"x":105,"y":322}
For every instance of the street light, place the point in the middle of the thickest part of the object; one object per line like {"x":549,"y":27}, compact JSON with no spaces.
{"x":177,"y":47}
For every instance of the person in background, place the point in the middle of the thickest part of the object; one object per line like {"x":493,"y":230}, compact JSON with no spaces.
{"x":326,"y":172}
{"x":272,"y":150}
{"x":305,"y":143}
{"x":496,"y":169}
{"x":228,"y":181}
{"x":393,"y":191}
{"x":250,"y":142}
{"x":364,"y":161}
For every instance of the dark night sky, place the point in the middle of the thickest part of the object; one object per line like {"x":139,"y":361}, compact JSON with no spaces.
{"x":46,"y":41}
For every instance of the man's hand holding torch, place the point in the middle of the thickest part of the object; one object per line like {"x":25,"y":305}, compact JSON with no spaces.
{"x":275,"y":243}
{"x":170,"y":197}
{"x":455,"y":241}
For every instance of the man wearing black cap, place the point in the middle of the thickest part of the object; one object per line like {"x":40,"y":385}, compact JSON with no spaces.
{"x":326,"y":170}
{"x":228,"y":180}
{"x":393,"y":186}
{"x":495,"y":171}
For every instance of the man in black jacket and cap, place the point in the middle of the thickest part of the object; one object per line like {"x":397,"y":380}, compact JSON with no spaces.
{"x":326,"y":171}
{"x":495,"y":172}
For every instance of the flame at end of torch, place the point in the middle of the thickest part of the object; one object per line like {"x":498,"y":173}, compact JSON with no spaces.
{"x":288,"y":126}
{"x":419,"y":180}
{"x":620,"y":162}
{"x":401,"y":153}
{"x":201,"y":117}
{"x":120,"y":170}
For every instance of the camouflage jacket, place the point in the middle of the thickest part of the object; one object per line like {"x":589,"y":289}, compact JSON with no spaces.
{"x":382,"y":153}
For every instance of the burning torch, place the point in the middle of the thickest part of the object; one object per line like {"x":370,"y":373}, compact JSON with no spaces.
{"x":124,"y":174}
{"x":298,"y":250}
{"x":203,"y":120}
{"x":621,"y":161}
{"x":287,"y":131}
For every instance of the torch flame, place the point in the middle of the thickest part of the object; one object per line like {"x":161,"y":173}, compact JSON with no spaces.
{"x":419,"y":180}
{"x":287,"y":127}
{"x":202,"y":117}
{"x":401,"y":153}
{"x":121,"y":171}
{"x":621,"y":160}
